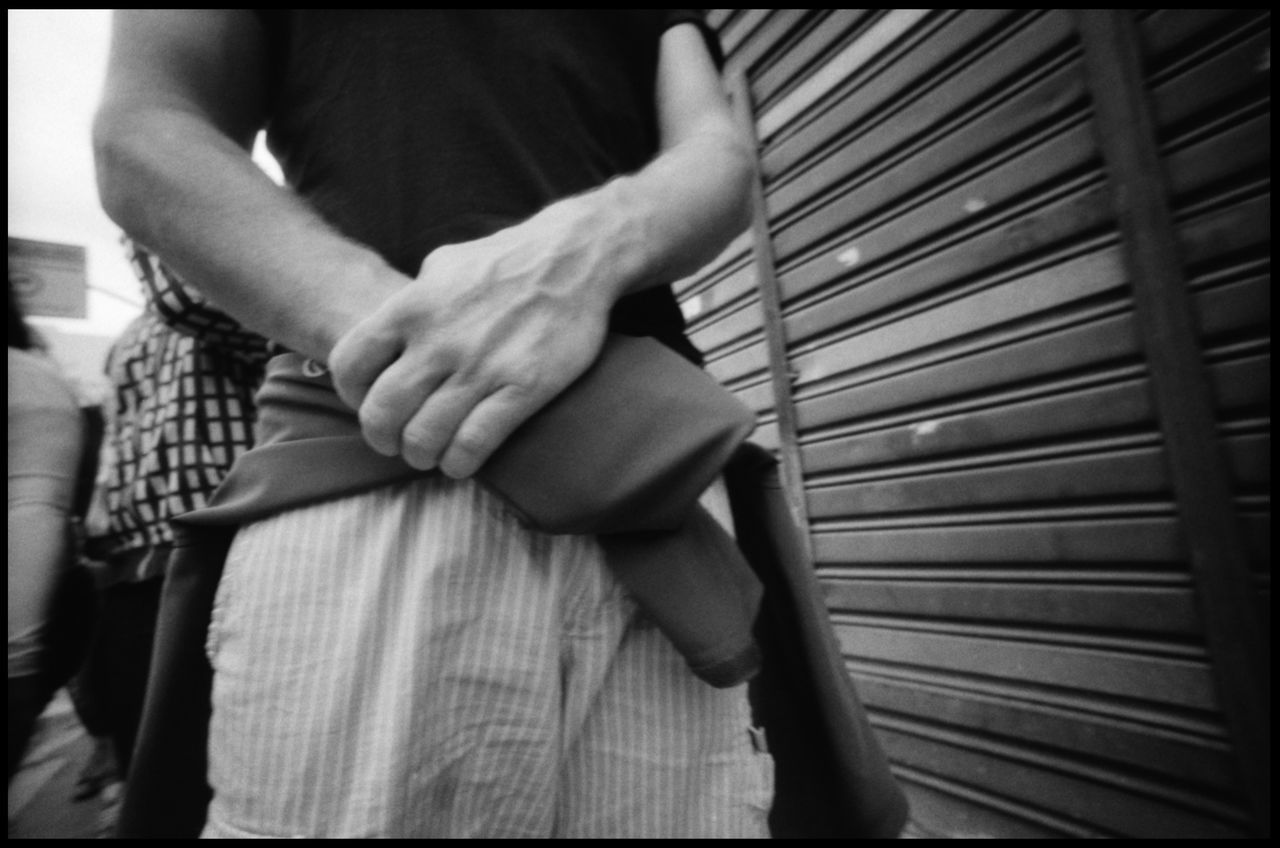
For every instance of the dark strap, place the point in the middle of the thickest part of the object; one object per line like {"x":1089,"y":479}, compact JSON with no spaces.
{"x":167,"y":792}
{"x":832,"y":777}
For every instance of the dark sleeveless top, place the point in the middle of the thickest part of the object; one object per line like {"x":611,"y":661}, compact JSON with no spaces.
{"x":408,"y":130}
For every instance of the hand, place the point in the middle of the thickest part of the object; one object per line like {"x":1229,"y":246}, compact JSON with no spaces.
{"x":489,"y":331}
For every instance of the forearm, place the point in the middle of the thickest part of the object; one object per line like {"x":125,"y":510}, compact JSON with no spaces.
{"x":39,"y":551}
{"x":180,"y":186}
{"x":188,"y":310}
{"x":686,"y":206}
{"x":493,"y":329}
{"x":41,"y":484}
{"x":644,"y":229}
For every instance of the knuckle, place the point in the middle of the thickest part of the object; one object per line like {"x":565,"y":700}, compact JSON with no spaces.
{"x":354,"y":364}
{"x":467,"y":451}
{"x":420,"y":443}
{"x":348,"y":390}
{"x":459,"y":464}
{"x":342,"y":370}
{"x":343,"y":353}
{"x":470,"y":443}
{"x":519,"y":399}
{"x":435,"y":259}
{"x":377,"y":424}
{"x":523,"y":377}
{"x":374,"y":414}
{"x":522,"y":380}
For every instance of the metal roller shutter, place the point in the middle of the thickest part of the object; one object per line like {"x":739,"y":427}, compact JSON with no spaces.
{"x":960,"y":374}
{"x":1209,"y":72}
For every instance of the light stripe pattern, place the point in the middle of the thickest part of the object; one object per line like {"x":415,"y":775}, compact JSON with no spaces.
{"x":882,"y":34}
{"x":414,"y":662}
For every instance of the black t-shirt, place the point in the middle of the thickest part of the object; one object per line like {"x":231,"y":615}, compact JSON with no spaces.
{"x":408,"y":130}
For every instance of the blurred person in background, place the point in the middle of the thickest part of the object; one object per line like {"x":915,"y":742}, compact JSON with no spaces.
{"x":50,"y":608}
{"x":183,"y":376}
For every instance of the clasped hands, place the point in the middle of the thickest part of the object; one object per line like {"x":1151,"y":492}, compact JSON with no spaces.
{"x":448,"y":366}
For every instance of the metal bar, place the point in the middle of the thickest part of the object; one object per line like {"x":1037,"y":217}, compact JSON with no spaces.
{"x":774,"y":332}
{"x":840,"y":67}
{"x":136,"y":304}
{"x":1182,"y":394}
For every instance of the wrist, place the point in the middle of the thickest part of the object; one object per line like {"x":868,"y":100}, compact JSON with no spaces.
{"x":587,"y":250}
{"x":625,"y":226}
{"x":367,"y":282}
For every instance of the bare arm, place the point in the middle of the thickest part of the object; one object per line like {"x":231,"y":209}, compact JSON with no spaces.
{"x":183,"y":101}
{"x":187,"y":310}
{"x":493,"y":329}
{"x":45,"y":443}
{"x":445,"y":366}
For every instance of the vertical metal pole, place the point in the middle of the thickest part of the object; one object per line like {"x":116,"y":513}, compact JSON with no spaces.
{"x":774,"y":332}
{"x":1183,"y":396}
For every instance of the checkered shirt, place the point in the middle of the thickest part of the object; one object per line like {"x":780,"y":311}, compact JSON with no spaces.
{"x":184,"y":375}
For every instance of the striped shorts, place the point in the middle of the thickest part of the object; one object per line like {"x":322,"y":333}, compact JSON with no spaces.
{"x":414,"y":662}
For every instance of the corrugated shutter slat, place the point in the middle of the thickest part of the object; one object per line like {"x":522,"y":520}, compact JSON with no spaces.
{"x":985,"y":459}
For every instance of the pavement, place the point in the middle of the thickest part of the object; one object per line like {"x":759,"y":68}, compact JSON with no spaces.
{"x":66,"y":787}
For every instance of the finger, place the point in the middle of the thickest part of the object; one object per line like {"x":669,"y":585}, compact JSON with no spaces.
{"x":357,"y":360}
{"x":485,"y":428}
{"x":431,"y":428}
{"x":397,"y":393}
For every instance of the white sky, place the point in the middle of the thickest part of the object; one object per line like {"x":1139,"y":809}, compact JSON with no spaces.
{"x":56,"y":62}
{"x":57,"y":59}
